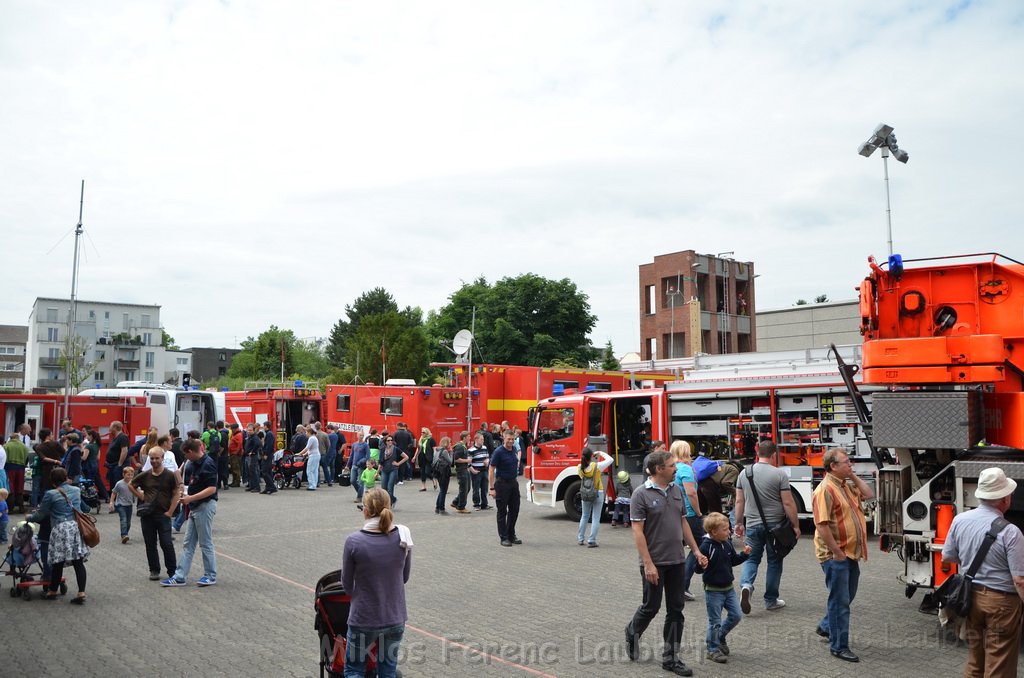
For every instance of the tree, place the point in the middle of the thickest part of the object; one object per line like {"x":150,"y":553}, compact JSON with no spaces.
{"x":388,"y":342}
{"x":608,"y":359}
{"x":526,"y":320}
{"x":821,"y":299}
{"x":801,"y":302}
{"x":261,"y":358}
{"x":72,"y":360}
{"x":377,"y":301}
{"x":167,"y":341}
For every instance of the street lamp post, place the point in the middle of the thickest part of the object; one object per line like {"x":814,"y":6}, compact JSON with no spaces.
{"x":884,"y":138}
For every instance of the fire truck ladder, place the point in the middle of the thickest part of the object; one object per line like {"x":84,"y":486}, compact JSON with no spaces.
{"x":847,"y":372}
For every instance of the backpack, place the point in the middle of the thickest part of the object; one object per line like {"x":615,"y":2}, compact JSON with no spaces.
{"x":704,"y":468}
{"x":442,"y":466}
{"x":214,"y":446}
{"x":588,"y":492}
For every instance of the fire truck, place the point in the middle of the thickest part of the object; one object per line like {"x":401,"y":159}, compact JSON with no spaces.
{"x":47,"y":411}
{"x":944,"y":336}
{"x":469,"y":396}
{"x":284,"y":406}
{"x":169,"y":406}
{"x":724,"y":406}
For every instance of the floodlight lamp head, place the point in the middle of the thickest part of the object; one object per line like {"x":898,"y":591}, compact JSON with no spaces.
{"x":902,"y":156}
{"x":882,"y":131}
{"x":866,"y":149}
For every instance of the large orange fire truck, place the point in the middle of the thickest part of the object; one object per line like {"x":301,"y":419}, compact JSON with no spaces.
{"x":946,"y":338}
{"x":724,"y":406}
{"x":469,"y":396}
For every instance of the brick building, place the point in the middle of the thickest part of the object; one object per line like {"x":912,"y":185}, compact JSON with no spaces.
{"x":696,"y":303}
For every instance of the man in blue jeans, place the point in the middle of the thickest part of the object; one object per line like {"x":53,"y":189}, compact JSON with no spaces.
{"x":200,"y":476}
{"x":772,"y":486}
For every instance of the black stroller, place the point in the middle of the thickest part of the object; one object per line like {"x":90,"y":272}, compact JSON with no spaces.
{"x":22,"y":563}
{"x":331,"y":604}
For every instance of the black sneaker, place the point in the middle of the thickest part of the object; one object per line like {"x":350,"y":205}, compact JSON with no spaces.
{"x":154,"y":576}
{"x":631,"y":642}
{"x":677,"y":667}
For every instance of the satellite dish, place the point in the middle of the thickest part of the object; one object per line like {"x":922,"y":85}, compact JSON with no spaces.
{"x":462,"y":342}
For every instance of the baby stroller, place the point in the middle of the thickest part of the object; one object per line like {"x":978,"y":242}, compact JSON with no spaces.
{"x":90,"y":497}
{"x":331,"y":624}
{"x":289,"y":470}
{"x":23,"y":564}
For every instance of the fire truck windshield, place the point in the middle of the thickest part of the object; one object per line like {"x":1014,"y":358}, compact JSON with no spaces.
{"x":554,"y":424}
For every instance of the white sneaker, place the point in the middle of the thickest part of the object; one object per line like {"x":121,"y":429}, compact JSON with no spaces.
{"x":777,"y":605}
{"x":688,"y":595}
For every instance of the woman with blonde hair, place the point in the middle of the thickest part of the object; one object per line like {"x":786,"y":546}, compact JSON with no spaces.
{"x":424,"y":457}
{"x":687,"y":480}
{"x":375,"y":568}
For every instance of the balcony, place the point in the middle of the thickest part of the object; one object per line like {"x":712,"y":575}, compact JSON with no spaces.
{"x":127,"y":365}
{"x":51,"y":383}
{"x":50,"y":362}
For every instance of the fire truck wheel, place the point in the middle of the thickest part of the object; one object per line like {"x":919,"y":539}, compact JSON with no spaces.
{"x":571,"y":501}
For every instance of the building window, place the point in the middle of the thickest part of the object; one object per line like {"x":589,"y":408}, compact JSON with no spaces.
{"x":343,"y":401}
{"x":51,"y":315}
{"x":7,"y":349}
{"x":391,"y":405}
{"x":145,"y":319}
{"x":98,"y":376}
{"x":222,"y":371}
{"x":106,"y":315}
{"x":150,"y":359}
{"x":148,"y":376}
{"x":10,"y":367}
{"x":54,"y":375}
{"x":147,"y":338}
{"x":222,"y":357}
{"x":101,"y":355}
{"x":124,"y":320}
{"x":52,"y":334}
{"x":650,"y":303}
{"x":53,"y":353}
{"x":129,"y":375}
{"x":183,"y":361}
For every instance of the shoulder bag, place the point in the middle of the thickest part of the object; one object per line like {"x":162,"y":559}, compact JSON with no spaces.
{"x":86,"y":524}
{"x":782,"y":537}
{"x":955,"y":593}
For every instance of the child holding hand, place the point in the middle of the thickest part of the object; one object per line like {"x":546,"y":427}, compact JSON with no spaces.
{"x":718,"y":584}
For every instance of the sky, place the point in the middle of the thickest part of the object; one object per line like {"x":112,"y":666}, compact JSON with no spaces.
{"x":257,"y":163}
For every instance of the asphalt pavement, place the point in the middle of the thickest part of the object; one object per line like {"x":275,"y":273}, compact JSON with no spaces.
{"x":545,"y":608}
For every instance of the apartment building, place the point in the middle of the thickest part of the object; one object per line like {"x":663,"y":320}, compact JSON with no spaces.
{"x":112,"y":342}
{"x":13,"y":339}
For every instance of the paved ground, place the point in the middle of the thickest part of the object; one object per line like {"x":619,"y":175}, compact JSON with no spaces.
{"x":546,"y":608}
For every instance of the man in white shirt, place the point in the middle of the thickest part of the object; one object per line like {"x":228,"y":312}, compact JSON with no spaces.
{"x":164,"y":442}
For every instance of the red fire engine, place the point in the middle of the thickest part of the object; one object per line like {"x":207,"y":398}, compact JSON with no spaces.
{"x":724,"y":406}
{"x":284,"y":406}
{"x":47,"y":410}
{"x":468,"y":397}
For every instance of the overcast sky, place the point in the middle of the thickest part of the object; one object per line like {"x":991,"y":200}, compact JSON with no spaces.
{"x":250,"y":163}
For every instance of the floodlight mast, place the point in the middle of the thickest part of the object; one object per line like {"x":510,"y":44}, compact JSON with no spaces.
{"x":884,"y":138}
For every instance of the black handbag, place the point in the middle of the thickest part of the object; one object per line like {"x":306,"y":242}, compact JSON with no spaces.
{"x":955,"y":593}
{"x":781,"y":537}
{"x":144,"y":509}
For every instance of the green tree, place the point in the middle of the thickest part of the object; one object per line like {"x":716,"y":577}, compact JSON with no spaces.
{"x":526,"y":320}
{"x":72,"y":360}
{"x":167,"y":341}
{"x":392,"y":340}
{"x":608,"y":359}
{"x":310,"y":360}
{"x":376,"y":301}
{"x":801,"y":302}
{"x":821,"y":299}
{"x":260,"y":358}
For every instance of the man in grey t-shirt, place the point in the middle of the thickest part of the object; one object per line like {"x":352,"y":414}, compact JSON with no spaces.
{"x":772,"y":485}
{"x":659,"y":530}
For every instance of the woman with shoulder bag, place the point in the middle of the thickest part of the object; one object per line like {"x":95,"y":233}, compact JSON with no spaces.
{"x":66,"y":543}
{"x":591,"y":493}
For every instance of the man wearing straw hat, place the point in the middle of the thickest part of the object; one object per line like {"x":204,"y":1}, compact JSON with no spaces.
{"x":994,"y":622}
